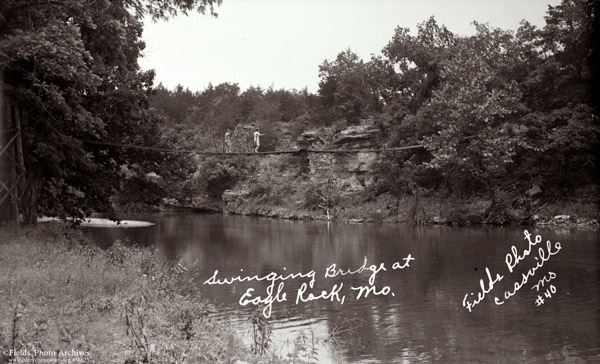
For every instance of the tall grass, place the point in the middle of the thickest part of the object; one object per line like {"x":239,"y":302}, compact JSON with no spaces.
{"x":122,"y":305}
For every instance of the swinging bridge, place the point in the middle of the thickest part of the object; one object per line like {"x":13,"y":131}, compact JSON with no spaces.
{"x":297,"y":151}
{"x":13,"y":170}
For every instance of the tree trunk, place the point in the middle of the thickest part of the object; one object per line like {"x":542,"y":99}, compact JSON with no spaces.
{"x":20,"y":159}
{"x":419,"y":217}
{"x":29,"y":200}
{"x":443,"y":197}
{"x":10,"y":168}
{"x":32,"y":184}
{"x":486,"y":214}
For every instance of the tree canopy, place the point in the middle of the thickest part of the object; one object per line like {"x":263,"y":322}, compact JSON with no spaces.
{"x":70,"y":69}
{"x":497,"y":110}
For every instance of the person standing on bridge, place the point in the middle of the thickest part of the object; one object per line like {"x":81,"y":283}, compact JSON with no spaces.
{"x":228,"y":141}
{"x":257,"y":136}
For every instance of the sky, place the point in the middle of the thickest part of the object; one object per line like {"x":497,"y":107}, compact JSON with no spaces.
{"x":281,"y":43}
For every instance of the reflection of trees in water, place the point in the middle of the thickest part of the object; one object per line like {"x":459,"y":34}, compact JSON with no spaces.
{"x":424,"y":320}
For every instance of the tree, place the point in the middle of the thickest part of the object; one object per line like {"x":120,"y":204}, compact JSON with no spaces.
{"x":349,"y":86}
{"x":417,"y":61}
{"x":401,"y":174}
{"x":175,"y":105}
{"x":250,"y":99}
{"x":490,"y":125}
{"x":217,"y":110}
{"x":70,"y":67}
{"x":470,"y":111}
{"x":562,"y":136}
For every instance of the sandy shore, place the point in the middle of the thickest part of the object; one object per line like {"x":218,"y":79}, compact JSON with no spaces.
{"x":99,"y":222}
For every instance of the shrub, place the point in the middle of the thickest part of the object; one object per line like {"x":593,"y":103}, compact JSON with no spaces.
{"x":121,"y":305}
{"x":216,"y":175}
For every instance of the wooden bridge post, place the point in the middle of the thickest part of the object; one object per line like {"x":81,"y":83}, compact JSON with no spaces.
{"x":12,"y":169}
{"x":6,"y":207}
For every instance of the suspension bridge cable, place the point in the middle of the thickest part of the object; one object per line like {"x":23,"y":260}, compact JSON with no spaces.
{"x":289,"y":151}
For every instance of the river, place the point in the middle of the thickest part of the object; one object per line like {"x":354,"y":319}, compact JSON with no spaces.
{"x":420,"y":314}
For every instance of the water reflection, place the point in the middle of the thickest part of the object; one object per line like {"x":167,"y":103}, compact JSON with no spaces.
{"x":424,"y":321}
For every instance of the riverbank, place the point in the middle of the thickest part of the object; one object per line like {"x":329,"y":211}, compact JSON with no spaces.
{"x":582,"y":212}
{"x":62,"y":295}
{"x":353,"y":188}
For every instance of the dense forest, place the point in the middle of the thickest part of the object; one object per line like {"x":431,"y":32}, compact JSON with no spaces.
{"x":509,"y":117}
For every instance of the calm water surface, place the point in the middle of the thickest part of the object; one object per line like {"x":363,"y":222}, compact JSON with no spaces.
{"x":424,"y":320}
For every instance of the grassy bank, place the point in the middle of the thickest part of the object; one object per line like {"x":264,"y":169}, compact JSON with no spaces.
{"x":122,"y":305}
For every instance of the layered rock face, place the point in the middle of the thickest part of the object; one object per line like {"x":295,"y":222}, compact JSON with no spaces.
{"x":286,"y":180}
{"x":352,"y":169}
{"x":363,"y":136}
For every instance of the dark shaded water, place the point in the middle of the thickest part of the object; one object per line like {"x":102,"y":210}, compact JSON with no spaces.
{"x":422,"y":318}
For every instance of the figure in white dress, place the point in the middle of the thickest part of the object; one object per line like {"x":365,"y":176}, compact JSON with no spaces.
{"x":228,"y":141}
{"x":257,"y":136}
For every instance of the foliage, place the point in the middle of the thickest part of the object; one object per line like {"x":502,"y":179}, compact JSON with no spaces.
{"x":70,"y":68}
{"x":123,"y":304}
{"x":469,"y":110}
{"x":271,"y":183}
{"x":416,"y":62}
{"x":305,"y":349}
{"x":215,"y":175}
{"x":324,"y":193}
{"x":496,"y":112}
{"x":174,"y":105}
{"x":349,"y":86}
{"x":199,"y":120}
{"x":262,"y":332}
